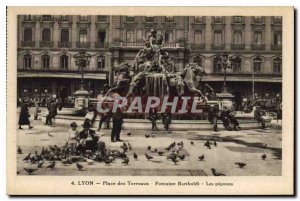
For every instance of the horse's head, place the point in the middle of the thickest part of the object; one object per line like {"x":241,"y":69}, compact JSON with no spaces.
{"x":180,"y":87}
{"x":124,"y":66}
{"x":198,"y":70}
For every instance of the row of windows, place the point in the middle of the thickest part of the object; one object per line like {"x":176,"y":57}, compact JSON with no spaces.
{"x":64,"y":62}
{"x":217,"y":68}
{"x":199,"y":19}
{"x":218,"y":37}
{"x":236,"y":64}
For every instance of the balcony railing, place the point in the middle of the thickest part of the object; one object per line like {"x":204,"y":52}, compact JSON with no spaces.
{"x":242,"y":73}
{"x":82,"y":44}
{"x":258,"y":47}
{"x":46,"y":44}
{"x":28,"y":43}
{"x":60,"y":69}
{"x":198,"y":46}
{"x":101,"y":45}
{"x":64,"y":44}
{"x":133,"y":44}
{"x":171,"y":45}
{"x":276,"y":47}
{"x":237,"y":46}
{"x":217,"y":46}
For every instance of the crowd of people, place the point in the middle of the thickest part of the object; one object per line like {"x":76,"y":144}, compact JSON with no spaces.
{"x":88,"y":140}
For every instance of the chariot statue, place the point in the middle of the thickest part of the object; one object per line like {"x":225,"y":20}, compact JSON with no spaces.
{"x":150,"y":73}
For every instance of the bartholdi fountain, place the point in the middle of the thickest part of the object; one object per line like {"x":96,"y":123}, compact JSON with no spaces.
{"x":152,"y":74}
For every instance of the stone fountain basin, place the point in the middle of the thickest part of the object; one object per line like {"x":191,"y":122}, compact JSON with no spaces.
{"x":246,"y":121}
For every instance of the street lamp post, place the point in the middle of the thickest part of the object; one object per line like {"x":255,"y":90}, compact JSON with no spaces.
{"x":224,"y":63}
{"x":225,"y":97}
{"x":82,"y":60}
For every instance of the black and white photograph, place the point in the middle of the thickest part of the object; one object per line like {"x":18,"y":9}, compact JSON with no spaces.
{"x":173,"y":96}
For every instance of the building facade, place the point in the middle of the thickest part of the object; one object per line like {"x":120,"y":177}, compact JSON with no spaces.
{"x":47,"y":44}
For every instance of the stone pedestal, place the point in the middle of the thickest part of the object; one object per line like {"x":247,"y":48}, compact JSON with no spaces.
{"x":81,"y":99}
{"x":226,"y":99}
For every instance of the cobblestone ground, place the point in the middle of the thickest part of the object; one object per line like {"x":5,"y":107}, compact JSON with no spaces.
{"x":232,"y":146}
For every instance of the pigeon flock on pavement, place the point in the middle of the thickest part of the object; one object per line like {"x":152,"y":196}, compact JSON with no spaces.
{"x":54,"y":154}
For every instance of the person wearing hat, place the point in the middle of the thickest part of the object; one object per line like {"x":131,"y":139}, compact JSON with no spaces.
{"x":117,"y":125}
{"x":213,"y":112}
{"x":259,"y":115}
{"x":73,"y":137}
{"x":225,"y":119}
{"x":24,"y":116}
{"x":88,"y":140}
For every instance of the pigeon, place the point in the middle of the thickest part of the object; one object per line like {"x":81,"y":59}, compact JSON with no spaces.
{"x":37,"y":159}
{"x":30,"y":170}
{"x":65,"y":161}
{"x":27,"y":157}
{"x":175,"y":161}
{"x":40,"y":164}
{"x":171,"y":156}
{"x":135,"y":156}
{"x":32,"y":159}
{"x":20,"y":150}
{"x":129,"y":134}
{"x":123,"y":155}
{"x":171,"y":146}
{"x":207,"y":143}
{"x":160,"y":153}
{"x":129,"y":147}
{"x":192,"y":143}
{"x":215,"y":143}
{"x":90,"y":161}
{"x":241,"y":165}
{"x":154,"y":151}
{"x":52,"y":165}
{"x":153,"y":135}
{"x":107,"y":161}
{"x":181,"y":157}
{"x":50,"y":135}
{"x":124,"y":147}
{"x":264,"y":156}
{"x":126,"y":161}
{"x":149,"y":147}
{"x":215,"y":173}
{"x":79,"y":166}
{"x":148,"y":157}
{"x":147,"y":135}
{"x":201,"y":157}
{"x":180,"y":144}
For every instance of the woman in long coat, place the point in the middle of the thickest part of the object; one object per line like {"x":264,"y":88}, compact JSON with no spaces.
{"x":24,"y":116}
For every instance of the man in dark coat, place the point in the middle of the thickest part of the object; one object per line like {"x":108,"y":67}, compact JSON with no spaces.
{"x":233,"y":120}
{"x":224,"y":117}
{"x":117,"y":125}
{"x":153,"y":118}
{"x":213,"y":112}
{"x":88,"y":140}
{"x":166,"y":119}
{"x":24,"y":116}
{"x":52,"y":108}
{"x":259,"y":114}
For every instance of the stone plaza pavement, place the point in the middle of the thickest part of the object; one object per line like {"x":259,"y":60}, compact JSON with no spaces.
{"x":232,"y":146}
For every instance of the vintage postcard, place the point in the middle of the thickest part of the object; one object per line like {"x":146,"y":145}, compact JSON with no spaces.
{"x":150,"y":101}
